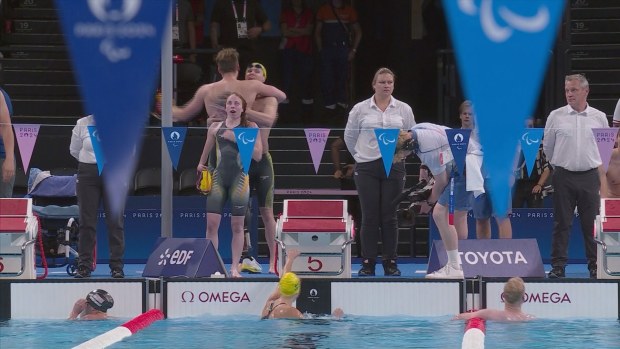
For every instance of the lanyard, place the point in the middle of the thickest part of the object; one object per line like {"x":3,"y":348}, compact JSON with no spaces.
{"x":245,"y":3}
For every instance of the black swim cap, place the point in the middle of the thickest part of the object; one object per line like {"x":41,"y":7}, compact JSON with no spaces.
{"x":100,"y":300}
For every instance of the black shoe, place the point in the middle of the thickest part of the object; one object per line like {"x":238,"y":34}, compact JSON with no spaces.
{"x":117,"y":273}
{"x":368,"y":268}
{"x":82,"y":273}
{"x":556,"y":273}
{"x":593,"y":272}
{"x":390,"y":268}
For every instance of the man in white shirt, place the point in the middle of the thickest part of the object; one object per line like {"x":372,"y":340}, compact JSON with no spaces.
{"x":578,"y":177}
{"x":431,"y":146}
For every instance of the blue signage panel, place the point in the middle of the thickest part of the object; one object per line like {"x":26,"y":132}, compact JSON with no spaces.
{"x":143,"y":226}
{"x":530,"y":223}
{"x":190,"y":257}
{"x":492,"y":258}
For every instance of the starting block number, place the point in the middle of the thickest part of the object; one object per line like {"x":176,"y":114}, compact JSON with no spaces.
{"x":313,"y":264}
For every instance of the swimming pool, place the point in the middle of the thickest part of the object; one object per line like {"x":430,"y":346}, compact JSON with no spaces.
{"x":352,"y":332}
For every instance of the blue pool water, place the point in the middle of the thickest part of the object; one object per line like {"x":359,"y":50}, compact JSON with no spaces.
{"x":352,"y":332}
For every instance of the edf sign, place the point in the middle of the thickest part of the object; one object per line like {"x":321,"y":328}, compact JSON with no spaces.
{"x":180,"y":256}
{"x":191,"y":257}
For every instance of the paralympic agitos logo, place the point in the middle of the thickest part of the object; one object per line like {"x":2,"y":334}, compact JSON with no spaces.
{"x":114,"y":25}
{"x":215,"y":297}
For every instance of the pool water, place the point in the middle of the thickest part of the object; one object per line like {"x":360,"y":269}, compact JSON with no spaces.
{"x":351,"y":332}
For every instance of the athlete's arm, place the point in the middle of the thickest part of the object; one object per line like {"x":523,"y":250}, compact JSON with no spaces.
{"x":206,"y":150}
{"x":191,"y":108}
{"x":270,"y":91}
{"x":257,"y":152}
{"x":267,"y":117}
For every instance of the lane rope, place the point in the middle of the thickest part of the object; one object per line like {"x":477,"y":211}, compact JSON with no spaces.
{"x":473,"y":338}
{"x":123,"y":331}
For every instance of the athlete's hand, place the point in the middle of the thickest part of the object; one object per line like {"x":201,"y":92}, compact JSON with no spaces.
{"x":293,"y":253}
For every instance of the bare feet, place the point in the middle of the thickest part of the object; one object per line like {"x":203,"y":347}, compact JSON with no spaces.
{"x":235,"y":273}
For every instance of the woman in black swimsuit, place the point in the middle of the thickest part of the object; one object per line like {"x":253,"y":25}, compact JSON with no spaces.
{"x":230,"y":182}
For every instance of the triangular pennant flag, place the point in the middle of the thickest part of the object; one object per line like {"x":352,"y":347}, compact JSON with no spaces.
{"x":531,"y":139}
{"x":26,"y":136}
{"x":115,"y":49}
{"x":496,"y":41}
{"x":175,"y":138}
{"x":96,"y":142}
{"x":246,"y":138}
{"x":605,"y":139}
{"x":317,"y":139}
{"x":386,"y":138}
{"x":458,"y":139}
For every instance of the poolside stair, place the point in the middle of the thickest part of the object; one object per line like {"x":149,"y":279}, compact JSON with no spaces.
{"x":607,"y":236}
{"x":594,"y":49}
{"x":36,"y":70}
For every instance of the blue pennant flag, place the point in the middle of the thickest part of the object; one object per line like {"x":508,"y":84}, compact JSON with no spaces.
{"x":530,"y":142}
{"x":115,"y":48}
{"x":246,"y":137}
{"x":175,"y":138}
{"x":458,"y":139}
{"x":500,"y":44}
{"x":386,"y":138}
{"x":96,"y":142}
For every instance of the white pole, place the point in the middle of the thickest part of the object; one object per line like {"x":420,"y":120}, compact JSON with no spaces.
{"x":166,"y":121}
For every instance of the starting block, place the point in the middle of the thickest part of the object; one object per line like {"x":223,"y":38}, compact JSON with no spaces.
{"x":607,"y":237}
{"x":322,"y":231}
{"x":18,"y":232}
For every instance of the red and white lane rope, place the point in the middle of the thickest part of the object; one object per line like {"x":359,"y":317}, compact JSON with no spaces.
{"x":473,"y":338}
{"x":123,"y":331}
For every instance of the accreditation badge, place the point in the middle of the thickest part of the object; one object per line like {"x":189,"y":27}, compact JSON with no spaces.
{"x":242,"y":29}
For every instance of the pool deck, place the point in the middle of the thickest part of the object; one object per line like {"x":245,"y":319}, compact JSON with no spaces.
{"x":409,"y":267}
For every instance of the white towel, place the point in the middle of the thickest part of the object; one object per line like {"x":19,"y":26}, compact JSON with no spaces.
{"x":473,"y":170}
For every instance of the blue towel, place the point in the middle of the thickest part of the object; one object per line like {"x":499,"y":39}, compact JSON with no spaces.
{"x":55,"y":186}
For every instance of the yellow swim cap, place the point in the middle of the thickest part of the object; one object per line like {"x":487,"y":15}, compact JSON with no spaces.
{"x":289,"y":284}
{"x":259,"y":66}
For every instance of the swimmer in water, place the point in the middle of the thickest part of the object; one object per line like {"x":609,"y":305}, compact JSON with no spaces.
{"x":514,"y":290}
{"x":94,"y":307}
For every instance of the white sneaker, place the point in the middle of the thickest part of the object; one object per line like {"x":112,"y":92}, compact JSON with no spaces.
{"x":449,"y":271}
{"x":251,"y":266}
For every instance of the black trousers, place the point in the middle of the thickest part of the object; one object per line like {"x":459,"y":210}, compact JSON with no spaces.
{"x":377,"y":194}
{"x":574,"y":189}
{"x":90,"y":192}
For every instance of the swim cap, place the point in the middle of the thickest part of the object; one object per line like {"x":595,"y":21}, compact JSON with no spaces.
{"x":100,"y":300}
{"x":258,"y":65}
{"x":289,"y":284}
